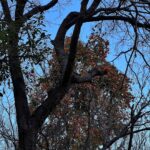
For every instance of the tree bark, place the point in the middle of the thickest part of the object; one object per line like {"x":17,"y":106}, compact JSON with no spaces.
{"x":27,"y":140}
{"x":26,"y":132}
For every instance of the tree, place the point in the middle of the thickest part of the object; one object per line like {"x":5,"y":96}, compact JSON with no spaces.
{"x":134,"y":15}
{"x":86,"y":113}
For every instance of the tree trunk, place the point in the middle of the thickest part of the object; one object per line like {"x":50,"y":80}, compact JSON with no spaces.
{"x":27,"y":140}
{"x":26,"y":131}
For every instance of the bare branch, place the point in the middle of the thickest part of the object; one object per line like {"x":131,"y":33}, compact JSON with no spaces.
{"x":40,"y":9}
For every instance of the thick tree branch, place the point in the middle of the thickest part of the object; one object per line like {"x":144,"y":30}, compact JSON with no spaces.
{"x":84,"y":5}
{"x":93,"y":7}
{"x":20,"y":5}
{"x":6,"y":10}
{"x":89,"y":77}
{"x":113,"y":9}
{"x":72,"y":53}
{"x":19,"y":88}
{"x":58,"y":42}
{"x":118,"y":18}
{"x":55,"y":95}
{"x":39,"y":9}
{"x":71,"y":19}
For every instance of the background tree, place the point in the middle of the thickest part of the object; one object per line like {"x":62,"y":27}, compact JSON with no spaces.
{"x":86,"y":111}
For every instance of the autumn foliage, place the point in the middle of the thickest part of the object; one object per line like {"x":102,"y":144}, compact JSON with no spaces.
{"x":89,"y":111}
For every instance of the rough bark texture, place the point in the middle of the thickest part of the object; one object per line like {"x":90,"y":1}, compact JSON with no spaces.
{"x":21,"y":104}
{"x":27,"y":140}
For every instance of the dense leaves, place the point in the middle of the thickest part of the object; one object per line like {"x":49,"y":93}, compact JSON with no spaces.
{"x":90,"y":110}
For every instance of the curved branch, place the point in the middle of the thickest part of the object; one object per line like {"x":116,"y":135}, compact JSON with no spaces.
{"x":58,"y":42}
{"x":39,"y":9}
{"x":72,"y":55}
{"x":55,"y":95}
{"x":118,"y":18}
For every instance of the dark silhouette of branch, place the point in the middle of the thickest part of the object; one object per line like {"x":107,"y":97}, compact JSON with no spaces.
{"x":39,"y":9}
{"x":55,"y":95}
{"x":6,"y":10}
{"x":89,"y":77}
